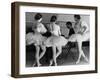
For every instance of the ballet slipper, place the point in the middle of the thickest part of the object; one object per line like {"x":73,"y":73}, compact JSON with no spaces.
{"x":55,"y":64}
{"x":86,"y":60}
{"x":39,"y":65}
{"x":51,"y":62}
{"x":34,"y":64}
{"x":77,"y":61}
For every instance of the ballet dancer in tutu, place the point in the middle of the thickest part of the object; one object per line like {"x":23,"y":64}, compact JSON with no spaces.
{"x":56,"y":40}
{"x":37,"y":38}
{"x":82,"y":28}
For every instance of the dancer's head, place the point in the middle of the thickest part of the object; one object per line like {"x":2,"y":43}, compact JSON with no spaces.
{"x":38,"y":17}
{"x":53,"y":18}
{"x":77,"y":17}
{"x":69,"y":25}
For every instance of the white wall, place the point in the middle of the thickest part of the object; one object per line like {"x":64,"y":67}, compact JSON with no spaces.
{"x":5,"y":40}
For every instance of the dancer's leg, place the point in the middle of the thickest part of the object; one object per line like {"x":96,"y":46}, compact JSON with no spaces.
{"x":85,"y":38}
{"x":59,"y":51}
{"x":43,"y":51}
{"x":54,"y":55}
{"x":37,"y":55}
{"x":84,"y":56}
{"x":80,"y":51}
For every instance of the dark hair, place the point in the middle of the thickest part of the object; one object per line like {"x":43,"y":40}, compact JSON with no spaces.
{"x":77,"y":16}
{"x":68,"y":23}
{"x":38,"y":16}
{"x":53,"y":19}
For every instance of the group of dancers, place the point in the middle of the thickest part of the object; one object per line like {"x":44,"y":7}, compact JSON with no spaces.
{"x":42,"y":38}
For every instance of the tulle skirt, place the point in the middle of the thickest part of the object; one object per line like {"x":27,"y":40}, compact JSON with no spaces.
{"x":34,"y":38}
{"x":80,"y":37}
{"x":56,"y":41}
{"x":38,"y":39}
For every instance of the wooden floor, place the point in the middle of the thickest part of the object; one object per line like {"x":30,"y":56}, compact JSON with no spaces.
{"x":63,"y":60}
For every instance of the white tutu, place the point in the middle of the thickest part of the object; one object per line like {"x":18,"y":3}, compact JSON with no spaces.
{"x":80,"y":37}
{"x":36,"y":39}
{"x":56,"y":41}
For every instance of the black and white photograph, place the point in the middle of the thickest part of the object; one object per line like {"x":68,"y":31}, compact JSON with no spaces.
{"x":57,"y":39}
{"x":51,"y":39}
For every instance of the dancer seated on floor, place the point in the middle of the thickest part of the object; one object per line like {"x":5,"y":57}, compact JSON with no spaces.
{"x":70,"y":44}
{"x":71,"y":32}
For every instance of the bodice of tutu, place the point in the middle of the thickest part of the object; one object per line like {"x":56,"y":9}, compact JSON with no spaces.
{"x":79,"y":27}
{"x":55,"y":29}
{"x":40,"y":28}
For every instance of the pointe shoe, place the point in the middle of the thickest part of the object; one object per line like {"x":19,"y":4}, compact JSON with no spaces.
{"x":34,"y":64}
{"x":39,"y":65}
{"x":86,"y":60}
{"x":55,"y":64}
{"x":77,"y":61}
{"x":51,"y":62}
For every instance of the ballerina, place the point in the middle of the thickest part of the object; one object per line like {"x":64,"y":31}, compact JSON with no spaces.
{"x":79,"y":39}
{"x":37,"y":38}
{"x":56,"y":37}
{"x":81,"y":27}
